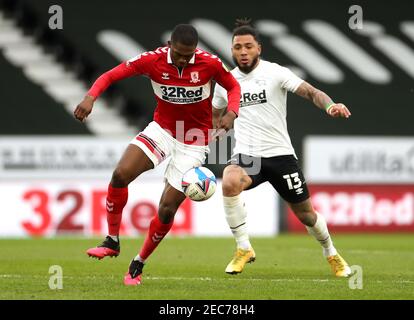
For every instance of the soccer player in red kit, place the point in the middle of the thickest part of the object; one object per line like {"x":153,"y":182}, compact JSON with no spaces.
{"x":181,"y":76}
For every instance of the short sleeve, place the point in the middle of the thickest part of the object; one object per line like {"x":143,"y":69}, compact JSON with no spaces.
{"x":290,"y":81}
{"x":140,"y":63}
{"x":219,"y":97}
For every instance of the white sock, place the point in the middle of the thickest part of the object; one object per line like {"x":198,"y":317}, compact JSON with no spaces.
{"x":236,"y":214}
{"x":138,"y":258}
{"x":320,"y":232}
{"x":115,"y":238}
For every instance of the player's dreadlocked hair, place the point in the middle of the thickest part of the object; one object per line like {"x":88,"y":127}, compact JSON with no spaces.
{"x":244,"y":27}
{"x":185,"y":34}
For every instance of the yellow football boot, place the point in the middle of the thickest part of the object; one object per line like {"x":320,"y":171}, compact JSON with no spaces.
{"x":241,"y":257}
{"x":339,"y":266}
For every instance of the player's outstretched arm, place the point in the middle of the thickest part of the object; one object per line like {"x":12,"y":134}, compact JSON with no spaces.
{"x":322,"y":101}
{"x":122,"y":71}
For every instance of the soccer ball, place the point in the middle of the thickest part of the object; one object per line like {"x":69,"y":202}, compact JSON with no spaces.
{"x":199,"y":183}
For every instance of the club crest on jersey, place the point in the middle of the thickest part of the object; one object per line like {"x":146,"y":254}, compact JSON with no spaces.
{"x":261,"y":82}
{"x":165,"y":76}
{"x":194,"y":77}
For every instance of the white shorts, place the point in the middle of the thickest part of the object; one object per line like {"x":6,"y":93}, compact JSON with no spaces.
{"x":158,"y":145}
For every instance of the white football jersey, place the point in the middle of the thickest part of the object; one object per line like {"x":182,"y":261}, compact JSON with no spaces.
{"x":261,"y":128}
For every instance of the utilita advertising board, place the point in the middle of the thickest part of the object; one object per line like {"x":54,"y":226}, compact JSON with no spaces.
{"x":361,"y":183}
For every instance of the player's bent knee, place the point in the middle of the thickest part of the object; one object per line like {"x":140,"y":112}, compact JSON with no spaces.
{"x":166,"y":212}
{"x":121,"y":177}
{"x":231,"y":186}
{"x":307,"y":217}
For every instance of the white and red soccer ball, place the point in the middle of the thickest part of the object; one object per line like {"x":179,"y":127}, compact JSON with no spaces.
{"x":199,"y":183}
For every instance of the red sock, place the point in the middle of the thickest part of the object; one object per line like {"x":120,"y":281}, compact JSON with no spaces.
{"x":156,"y":233}
{"x":115,"y":203}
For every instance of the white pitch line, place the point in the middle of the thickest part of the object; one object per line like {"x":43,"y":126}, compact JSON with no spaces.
{"x":356,"y":251}
{"x":235,"y":279}
{"x":18,"y":276}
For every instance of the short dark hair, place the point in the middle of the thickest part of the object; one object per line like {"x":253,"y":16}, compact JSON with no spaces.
{"x":244,"y":27}
{"x":185,"y":34}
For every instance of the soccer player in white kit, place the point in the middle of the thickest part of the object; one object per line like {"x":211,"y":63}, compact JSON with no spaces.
{"x":263,"y":150}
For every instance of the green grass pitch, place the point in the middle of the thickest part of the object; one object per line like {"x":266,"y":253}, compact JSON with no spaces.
{"x":287,"y":267}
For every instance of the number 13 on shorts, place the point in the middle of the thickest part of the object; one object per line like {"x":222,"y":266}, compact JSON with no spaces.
{"x":298,"y":183}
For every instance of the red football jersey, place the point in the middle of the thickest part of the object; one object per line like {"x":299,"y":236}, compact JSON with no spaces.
{"x":184,"y":95}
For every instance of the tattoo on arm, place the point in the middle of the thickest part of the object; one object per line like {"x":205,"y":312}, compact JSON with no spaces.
{"x":318,"y":97}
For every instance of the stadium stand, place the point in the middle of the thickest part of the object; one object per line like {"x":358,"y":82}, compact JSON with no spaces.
{"x":355,"y":68}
